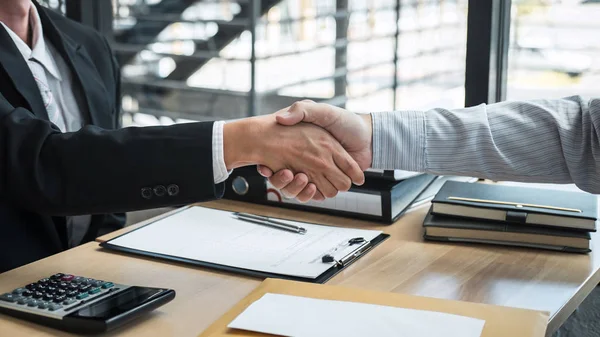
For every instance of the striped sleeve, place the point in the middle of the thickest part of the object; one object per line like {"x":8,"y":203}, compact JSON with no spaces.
{"x":544,"y":141}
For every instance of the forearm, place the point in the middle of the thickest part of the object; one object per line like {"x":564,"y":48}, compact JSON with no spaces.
{"x":99,"y":171}
{"x":536,"y":141}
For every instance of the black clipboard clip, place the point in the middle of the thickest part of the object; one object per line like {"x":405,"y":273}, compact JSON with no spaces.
{"x":355,"y":254}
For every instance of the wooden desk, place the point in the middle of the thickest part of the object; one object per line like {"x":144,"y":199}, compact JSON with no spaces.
{"x":533,"y":279}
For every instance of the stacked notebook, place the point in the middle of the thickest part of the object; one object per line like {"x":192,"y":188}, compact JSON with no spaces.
{"x":511,"y":215}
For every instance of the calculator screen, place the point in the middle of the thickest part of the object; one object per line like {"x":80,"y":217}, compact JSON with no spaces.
{"x":117,"y":304}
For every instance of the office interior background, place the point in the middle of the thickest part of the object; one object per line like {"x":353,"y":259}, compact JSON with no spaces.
{"x":186,"y":60}
{"x":196,"y":60}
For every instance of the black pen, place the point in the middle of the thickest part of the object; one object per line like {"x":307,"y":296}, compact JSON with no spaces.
{"x":266,"y":221}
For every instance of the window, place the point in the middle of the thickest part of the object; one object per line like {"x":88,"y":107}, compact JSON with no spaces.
{"x":207,"y":60}
{"x":554,"y":49}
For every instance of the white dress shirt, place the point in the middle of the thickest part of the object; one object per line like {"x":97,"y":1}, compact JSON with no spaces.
{"x":541,"y":141}
{"x":69,"y":118}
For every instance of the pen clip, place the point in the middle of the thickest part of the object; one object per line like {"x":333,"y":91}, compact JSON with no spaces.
{"x":355,"y":254}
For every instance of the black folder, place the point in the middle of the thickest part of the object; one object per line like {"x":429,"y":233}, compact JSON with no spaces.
{"x":338,"y":266}
{"x":391,"y":198}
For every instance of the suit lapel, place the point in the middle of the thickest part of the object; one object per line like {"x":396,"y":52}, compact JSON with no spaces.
{"x":18,"y":72}
{"x":95,"y":97}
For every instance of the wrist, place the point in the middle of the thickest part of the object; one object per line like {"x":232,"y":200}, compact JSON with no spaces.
{"x":367,"y":120}
{"x":241,"y":142}
{"x":235,"y":153}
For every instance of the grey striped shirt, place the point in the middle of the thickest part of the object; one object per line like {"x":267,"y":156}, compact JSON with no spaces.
{"x":542,"y":141}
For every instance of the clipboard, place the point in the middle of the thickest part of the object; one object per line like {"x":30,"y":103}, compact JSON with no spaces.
{"x":337,"y":266}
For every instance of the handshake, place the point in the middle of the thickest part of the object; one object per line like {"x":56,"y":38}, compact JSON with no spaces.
{"x":309,"y":150}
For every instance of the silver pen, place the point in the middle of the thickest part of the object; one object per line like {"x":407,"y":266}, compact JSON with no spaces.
{"x":266,"y":221}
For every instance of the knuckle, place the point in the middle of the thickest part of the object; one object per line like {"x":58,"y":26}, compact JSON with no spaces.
{"x":287,"y":193}
{"x":346,"y":184}
{"x":330,"y":193}
{"x":301,"y":180}
{"x":321,"y":165}
{"x":275,"y":182}
{"x":296,"y":106}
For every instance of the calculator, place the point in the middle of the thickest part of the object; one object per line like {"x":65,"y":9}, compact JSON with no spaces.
{"x":81,"y":304}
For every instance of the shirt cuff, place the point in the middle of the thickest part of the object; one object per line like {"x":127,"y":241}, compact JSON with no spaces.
{"x":220,"y":172}
{"x":399,"y":141}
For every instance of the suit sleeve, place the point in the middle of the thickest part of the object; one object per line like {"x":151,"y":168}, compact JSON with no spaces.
{"x":102,"y":171}
{"x":538,"y":141}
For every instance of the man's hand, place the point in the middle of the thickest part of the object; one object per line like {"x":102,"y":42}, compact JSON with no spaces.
{"x":353,"y":131}
{"x":303,"y":148}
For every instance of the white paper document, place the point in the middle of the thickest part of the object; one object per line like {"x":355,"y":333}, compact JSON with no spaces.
{"x":215,"y":236}
{"x":286,"y":315}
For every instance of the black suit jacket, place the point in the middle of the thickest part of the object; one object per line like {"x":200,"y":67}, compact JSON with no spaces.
{"x":46,"y":175}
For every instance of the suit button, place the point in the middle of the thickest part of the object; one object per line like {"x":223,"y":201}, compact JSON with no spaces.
{"x":146,"y":193}
{"x":160,"y":190}
{"x":173,"y":190}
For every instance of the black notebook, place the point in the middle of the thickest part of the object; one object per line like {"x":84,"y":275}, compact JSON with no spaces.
{"x":513,"y":204}
{"x":443,"y":228}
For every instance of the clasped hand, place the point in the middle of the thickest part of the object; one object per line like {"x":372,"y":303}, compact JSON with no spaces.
{"x":314,"y":149}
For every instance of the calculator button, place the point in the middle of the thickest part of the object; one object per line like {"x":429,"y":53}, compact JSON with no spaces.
{"x":54,"y":306}
{"x":97,"y":283}
{"x":44,"y":281}
{"x":72,"y":293}
{"x":85,"y":287}
{"x":94,"y":291}
{"x":32,"y":303}
{"x":48,"y":297}
{"x":53,"y":283}
{"x":60,"y":291}
{"x":22,"y":300}
{"x":37,"y":294}
{"x":57,"y":276}
{"x":82,"y":296}
{"x":107,"y":285}
{"x":28,"y":293}
{"x":31,"y":286}
{"x":78,"y":279}
{"x":8,"y":297}
{"x":18,"y":291}
{"x":51,"y":289}
{"x":59,"y":299}
{"x":43,"y":304}
{"x":69,"y":301}
{"x":67,"y":277}
{"x":41,"y":287}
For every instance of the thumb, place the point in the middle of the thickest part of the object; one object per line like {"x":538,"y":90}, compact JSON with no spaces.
{"x":264,"y":171}
{"x":290,"y":117}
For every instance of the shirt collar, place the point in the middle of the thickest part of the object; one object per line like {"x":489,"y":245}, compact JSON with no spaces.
{"x":41,"y":52}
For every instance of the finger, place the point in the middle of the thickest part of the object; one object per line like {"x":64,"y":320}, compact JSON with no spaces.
{"x":307,"y":193}
{"x":318,"y":196}
{"x":339,"y":180}
{"x":323,"y":115}
{"x":264,"y":171}
{"x":293,"y":115}
{"x":348,"y":165}
{"x":296,"y":186}
{"x":327,"y":189}
{"x":281,"y":178}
